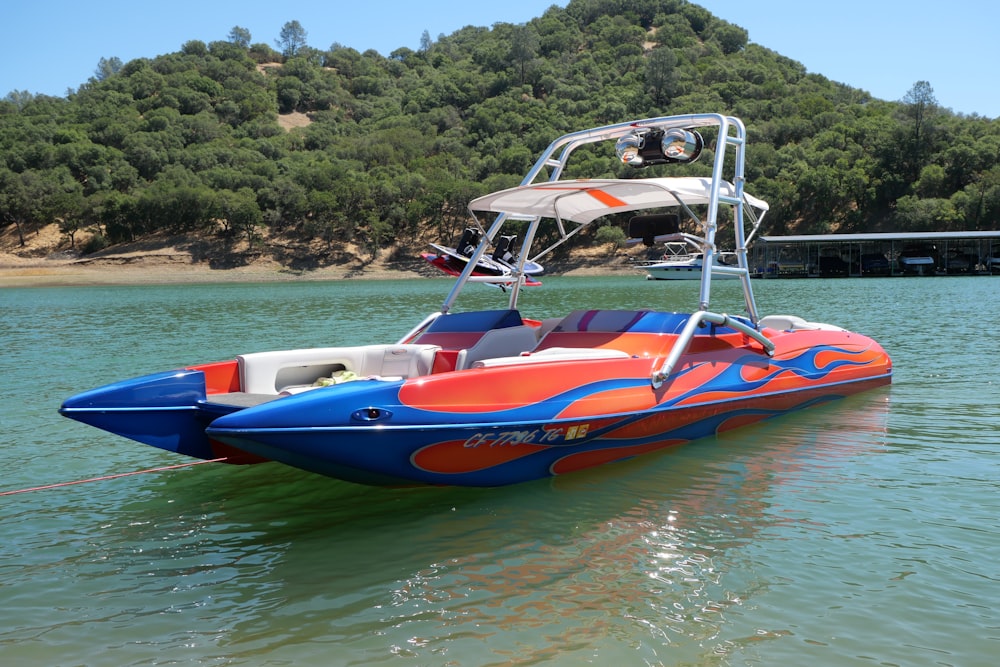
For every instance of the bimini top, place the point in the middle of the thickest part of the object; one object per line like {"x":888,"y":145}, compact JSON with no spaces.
{"x":583,"y":201}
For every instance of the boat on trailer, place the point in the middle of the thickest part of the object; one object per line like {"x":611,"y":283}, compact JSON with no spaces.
{"x":496,"y":397}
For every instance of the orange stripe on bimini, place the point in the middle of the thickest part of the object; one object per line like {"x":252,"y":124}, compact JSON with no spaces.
{"x":605,"y":198}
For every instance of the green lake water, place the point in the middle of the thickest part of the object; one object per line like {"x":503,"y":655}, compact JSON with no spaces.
{"x":862,"y":532}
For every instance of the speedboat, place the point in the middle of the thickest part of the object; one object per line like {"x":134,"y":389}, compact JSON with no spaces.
{"x":678,"y":263}
{"x":918,"y":261}
{"x":875,"y":264}
{"x":499,"y":262}
{"x":496,"y":397}
{"x":957,"y":262}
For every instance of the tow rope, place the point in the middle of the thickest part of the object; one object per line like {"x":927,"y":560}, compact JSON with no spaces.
{"x":107,"y":477}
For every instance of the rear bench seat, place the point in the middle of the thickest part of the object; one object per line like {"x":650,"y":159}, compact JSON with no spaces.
{"x":274,"y":372}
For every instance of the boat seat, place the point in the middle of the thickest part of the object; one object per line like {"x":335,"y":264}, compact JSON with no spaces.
{"x":274,"y":372}
{"x":547,"y":325}
{"x":455,"y":331}
{"x":498,"y":343}
{"x":590,"y":328}
{"x":553,"y":354}
{"x":601,"y":320}
{"x":794,"y":323}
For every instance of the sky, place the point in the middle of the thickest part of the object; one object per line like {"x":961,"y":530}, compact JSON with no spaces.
{"x":884,"y":46}
{"x":880,"y":46}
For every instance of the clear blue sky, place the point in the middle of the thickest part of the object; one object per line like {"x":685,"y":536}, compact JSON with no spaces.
{"x":884,"y":46}
{"x":881,"y":46}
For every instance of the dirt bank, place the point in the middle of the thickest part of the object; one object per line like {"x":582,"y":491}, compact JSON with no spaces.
{"x":46,"y":259}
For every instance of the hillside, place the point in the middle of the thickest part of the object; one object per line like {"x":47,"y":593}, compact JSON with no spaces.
{"x":232,"y":155}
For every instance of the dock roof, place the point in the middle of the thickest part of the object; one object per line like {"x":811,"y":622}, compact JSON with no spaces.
{"x":886,"y":236}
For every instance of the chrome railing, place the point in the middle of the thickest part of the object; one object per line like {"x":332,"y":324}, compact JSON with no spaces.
{"x":660,"y":375}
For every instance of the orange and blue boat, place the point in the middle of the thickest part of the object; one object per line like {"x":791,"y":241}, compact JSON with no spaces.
{"x":496,"y":397}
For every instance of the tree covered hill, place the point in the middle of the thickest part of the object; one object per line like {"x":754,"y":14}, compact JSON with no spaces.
{"x":333,"y":147}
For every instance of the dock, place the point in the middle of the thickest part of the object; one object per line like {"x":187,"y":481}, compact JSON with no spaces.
{"x":877,"y":254}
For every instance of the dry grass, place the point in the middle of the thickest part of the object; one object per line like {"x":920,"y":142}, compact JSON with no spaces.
{"x":46,"y":258}
{"x":290,"y":121}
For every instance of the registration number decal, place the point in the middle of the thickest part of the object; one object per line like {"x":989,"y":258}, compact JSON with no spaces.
{"x":549,"y":435}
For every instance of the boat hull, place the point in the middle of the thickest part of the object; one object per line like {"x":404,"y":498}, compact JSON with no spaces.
{"x":453,"y":263}
{"x":506,"y":453}
{"x":682,"y":272}
{"x":512,"y":424}
{"x":918,"y":266}
{"x":687,"y":267}
{"x":168,"y":410}
{"x":583,"y":397}
{"x":452,"y":268}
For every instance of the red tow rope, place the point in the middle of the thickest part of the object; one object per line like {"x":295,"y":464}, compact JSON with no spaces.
{"x":106,"y":477}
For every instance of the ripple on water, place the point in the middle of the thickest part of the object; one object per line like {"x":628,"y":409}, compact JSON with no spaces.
{"x":862,"y":531}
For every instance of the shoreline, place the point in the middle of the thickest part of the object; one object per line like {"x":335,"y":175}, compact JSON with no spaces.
{"x":45,"y":260}
{"x":46,"y":273}
{"x":21,"y":272}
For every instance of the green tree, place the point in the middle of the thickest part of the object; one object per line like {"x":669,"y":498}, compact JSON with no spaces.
{"x":15,"y":202}
{"x":931,"y":182}
{"x":116,"y":216}
{"x":731,"y":38}
{"x":18,"y":98}
{"x":924,"y":215}
{"x":291,"y":39}
{"x":107,"y":67}
{"x":239,"y":211}
{"x":920,"y":106}
{"x":324,"y":217}
{"x":612,"y":236}
{"x":240,"y":36}
{"x":68,"y":209}
{"x":523,"y":49}
{"x":661,"y":77}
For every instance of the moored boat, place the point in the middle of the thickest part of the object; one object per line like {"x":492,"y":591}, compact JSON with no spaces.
{"x":494,"y":397}
{"x":678,"y":263}
{"x":501,"y":261}
{"x":918,"y":261}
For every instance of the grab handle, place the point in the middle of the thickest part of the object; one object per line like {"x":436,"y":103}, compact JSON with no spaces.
{"x":660,"y":375}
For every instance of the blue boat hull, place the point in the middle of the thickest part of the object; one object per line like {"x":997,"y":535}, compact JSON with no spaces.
{"x":487,"y":449}
{"x":166,"y":410}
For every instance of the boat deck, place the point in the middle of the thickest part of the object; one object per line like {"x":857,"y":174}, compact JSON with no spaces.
{"x":241,"y":399}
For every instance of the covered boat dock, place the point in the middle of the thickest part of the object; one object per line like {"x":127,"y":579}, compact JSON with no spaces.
{"x":887,"y":254}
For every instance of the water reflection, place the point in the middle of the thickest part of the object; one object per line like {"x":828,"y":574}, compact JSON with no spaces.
{"x":773,"y":544}
{"x":631,"y":562}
